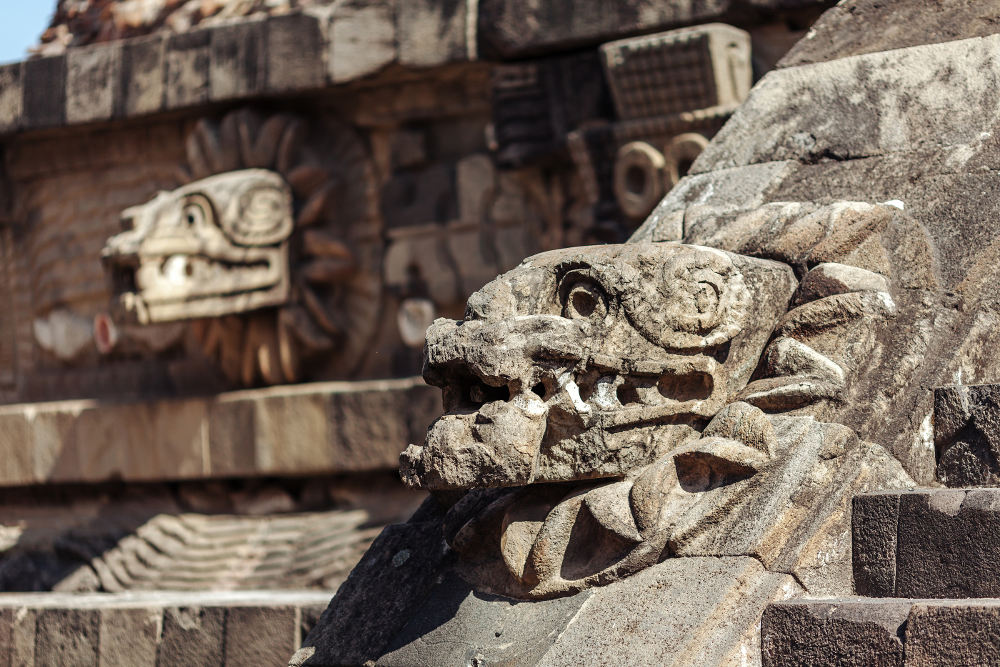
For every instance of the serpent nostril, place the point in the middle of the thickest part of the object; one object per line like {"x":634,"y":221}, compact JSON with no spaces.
{"x":540,"y":390}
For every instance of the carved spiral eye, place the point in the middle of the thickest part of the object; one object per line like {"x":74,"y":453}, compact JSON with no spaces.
{"x":193,"y":214}
{"x":584,"y":298}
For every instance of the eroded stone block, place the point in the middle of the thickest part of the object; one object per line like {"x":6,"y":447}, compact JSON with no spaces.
{"x":143,"y":77}
{"x":92,"y":83}
{"x":11,"y":97}
{"x":928,"y":543}
{"x":834,"y":633}
{"x":44,"y":102}
{"x":432,"y":32}
{"x":967,"y":434}
{"x":238,"y":61}
{"x":294,"y":53}
{"x":187,"y":62}
{"x":362,"y":39}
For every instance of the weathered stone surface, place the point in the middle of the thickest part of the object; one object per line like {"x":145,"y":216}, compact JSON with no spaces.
{"x":238,"y":60}
{"x":294,"y":51}
{"x":142,"y":79}
{"x":954,"y":632}
{"x":362,"y":39}
{"x":516,"y":29}
{"x":155,"y":628}
{"x":11,"y":97}
{"x":454,"y":624}
{"x":845,"y":31}
{"x":492,"y":629}
{"x":434,"y":32}
{"x":858,"y":631}
{"x":944,"y":543}
{"x":92,"y":77}
{"x":907,"y":104}
{"x":641,"y":620}
{"x":321,"y":428}
{"x":382,"y":594}
{"x":44,"y":86}
{"x":967,"y":435}
{"x":848,"y":632}
{"x":874,"y":521}
{"x":187,"y":69}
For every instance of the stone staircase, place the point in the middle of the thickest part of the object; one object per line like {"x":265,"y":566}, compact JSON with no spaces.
{"x":926,"y":562}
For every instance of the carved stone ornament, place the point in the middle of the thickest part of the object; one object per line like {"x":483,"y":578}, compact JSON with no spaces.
{"x":271,"y":251}
{"x":608,"y":406}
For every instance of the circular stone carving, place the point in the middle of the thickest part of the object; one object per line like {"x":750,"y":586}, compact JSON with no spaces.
{"x":638,"y":179}
{"x":681,"y":153}
{"x":335,"y":250}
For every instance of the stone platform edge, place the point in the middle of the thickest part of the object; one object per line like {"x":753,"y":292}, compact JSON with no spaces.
{"x":303,"y":430}
{"x":161,"y":628}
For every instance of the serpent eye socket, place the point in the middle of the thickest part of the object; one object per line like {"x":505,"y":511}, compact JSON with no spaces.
{"x":195,"y":212}
{"x":583,"y":298}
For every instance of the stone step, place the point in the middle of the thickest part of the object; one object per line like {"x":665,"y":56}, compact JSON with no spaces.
{"x":881,"y":632}
{"x":156,"y":628}
{"x":927,"y":543}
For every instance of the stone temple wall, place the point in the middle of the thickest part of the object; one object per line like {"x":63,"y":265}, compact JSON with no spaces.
{"x":197,"y":403}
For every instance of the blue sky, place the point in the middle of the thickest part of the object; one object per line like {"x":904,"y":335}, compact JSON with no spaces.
{"x":21,"y":24}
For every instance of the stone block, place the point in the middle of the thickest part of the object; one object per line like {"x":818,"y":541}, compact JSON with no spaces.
{"x":524,"y":27}
{"x":11,"y":97}
{"x":171,"y":433}
{"x":839,"y":633}
{"x":92,"y":82}
{"x":231,"y":438}
{"x":143,"y":75}
{"x":433,"y":32}
{"x":44,"y":102}
{"x":22,"y":636}
{"x":129,"y":636}
{"x":291,"y":431}
{"x":419,"y":197}
{"x":678,"y":70}
{"x":946,"y":541}
{"x":937,"y":94}
{"x":192,"y":636}
{"x":16,"y":442}
{"x":967,"y":434}
{"x":476,"y":182}
{"x":957,"y":632}
{"x":362,"y":39}
{"x":320,"y":428}
{"x":294,"y":53}
{"x":845,"y":28}
{"x":187,"y":58}
{"x":874,"y":518}
{"x":261,"y":636}
{"x":238,"y":61}
{"x":66,"y":636}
